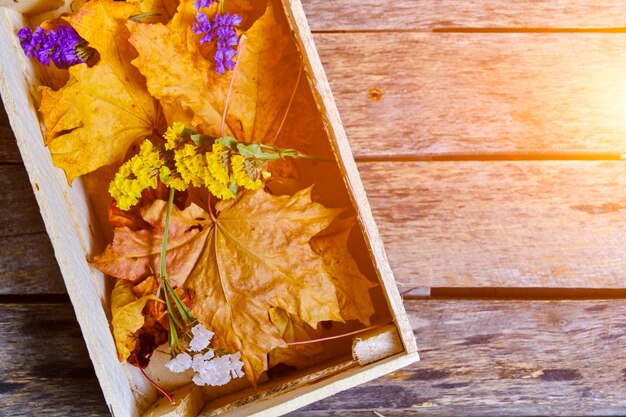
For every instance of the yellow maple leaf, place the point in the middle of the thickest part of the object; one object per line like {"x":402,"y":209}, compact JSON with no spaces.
{"x":253,"y":256}
{"x":101,"y":111}
{"x":352,"y":286}
{"x":171,"y":60}
{"x":292,"y":329}
{"x":126,"y":317}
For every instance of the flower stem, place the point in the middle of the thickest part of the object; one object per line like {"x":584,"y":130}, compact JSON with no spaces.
{"x":305,"y":342}
{"x":154,"y":384}
{"x":166,"y":230}
{"x":232,"y":81}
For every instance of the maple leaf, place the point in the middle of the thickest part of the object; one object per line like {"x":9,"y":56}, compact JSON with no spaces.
{"x":171,"y":60}
{"x":101,"y":111}
{"x":352,"y":286}
{"x":292,"y":329}
{"x":126,"y":317}
{"x":253,"y":256}
{"x":135,"y":253}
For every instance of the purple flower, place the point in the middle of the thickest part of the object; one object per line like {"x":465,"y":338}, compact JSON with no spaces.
{"x":198,"y":4}
{"x":223,"y":28}
{"x":59,"y":45}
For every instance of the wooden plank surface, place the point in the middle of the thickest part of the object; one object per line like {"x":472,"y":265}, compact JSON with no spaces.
{"x":478,"y":358}
{"x":501,"y":224}
{"x":406,"y":15}
{"x":444,"y":224}
{"x":423,"y":94}
{"x":502,"y":358}
{"x":44,"y":364}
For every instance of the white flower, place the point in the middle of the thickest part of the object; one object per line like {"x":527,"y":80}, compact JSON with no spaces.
{"x":236,"y":366}
{"x":201,"y":338}
{"x":217,"y":371}
{"x":199,"y":360}
{"x":180,"y":363}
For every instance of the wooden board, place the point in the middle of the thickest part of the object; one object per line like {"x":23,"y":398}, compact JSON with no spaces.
{"x":421,"y":94}
{"x":446,"y":224}
{"x":502,"y":358}
{"x":478,"y":358}
{"x":8,"y":148}
{"x":44,"y":365}
{"x":523,"y":94}
{"x":406,"y":15}
{"x":501,"y":224}
{"x":28,"y":266}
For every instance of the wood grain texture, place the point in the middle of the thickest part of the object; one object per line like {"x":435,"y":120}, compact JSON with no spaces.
{"x":501,"y":224}
{"x":28,"y":266}
{"x":498,"y":358}
{"x":44,"y":365}
{"x":423,"y":94}
{"x":531,"y":358}
{"x":8,"y":148}
{"x":20,"y":214}
{"x":346,"y":15}
{"x":456,"y":224}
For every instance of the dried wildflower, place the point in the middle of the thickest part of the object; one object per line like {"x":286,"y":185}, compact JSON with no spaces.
{"x":246,"y":173}
{"x":174,"y":135}
{"x":180,"y":363}
{"x":190,"y":165}
{"x":222,"y":28}
{"x":210,"y":368}
{"x":201,"y":338}
{"x":135,"y":175}
{"x":172,"y":179}
{"x":203,"y":3}
{"x":63,"y":46}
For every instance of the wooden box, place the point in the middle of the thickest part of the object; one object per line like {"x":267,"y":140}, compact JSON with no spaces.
{"x":69,"y":219}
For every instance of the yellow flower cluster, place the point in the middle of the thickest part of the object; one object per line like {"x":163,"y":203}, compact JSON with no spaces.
{"x":180,"y":164}
{"x":135,"y":175}
{"x":174,"y":136}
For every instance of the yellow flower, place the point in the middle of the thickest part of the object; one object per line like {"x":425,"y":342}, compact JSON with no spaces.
{"x":217,"y":162}
{"x":135,"y":175}
{"x":173,"y":135}
{"x":191,"y":166}
{"x":172,"y":179}
{"x":245,"y":174}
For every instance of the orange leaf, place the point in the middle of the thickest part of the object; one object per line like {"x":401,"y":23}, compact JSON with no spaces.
{"x":255,"y":255}
{"x":189,"y":88}
{"x":102,"y":110}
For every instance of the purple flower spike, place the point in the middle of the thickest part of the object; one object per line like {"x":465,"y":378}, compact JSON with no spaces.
{"x":223,"y":28}
{"x":203,"y":3}
{"x":60,"y":45}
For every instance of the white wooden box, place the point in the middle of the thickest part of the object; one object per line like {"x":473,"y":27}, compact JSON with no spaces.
{"x":70,"y":222}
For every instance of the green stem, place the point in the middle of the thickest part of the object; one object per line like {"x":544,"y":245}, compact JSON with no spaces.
{"x":166,"y":230}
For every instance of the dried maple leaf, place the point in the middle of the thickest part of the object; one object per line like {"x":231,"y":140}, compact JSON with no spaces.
{"x":253,"y":256}
{"x":126,"y":317}
{"x":135,"y":253}
{"x":352,"y":286}
{"x":189,"y":88}
{"x":92,"y":121}
{"x":292,"y":329}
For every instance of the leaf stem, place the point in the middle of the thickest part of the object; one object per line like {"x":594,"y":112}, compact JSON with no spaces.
{"x":232,"y":81}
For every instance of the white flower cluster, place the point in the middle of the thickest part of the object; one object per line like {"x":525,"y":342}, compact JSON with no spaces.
{"x":210,"y":369}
